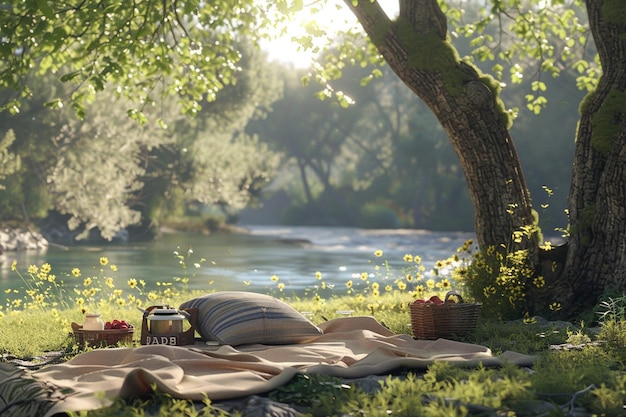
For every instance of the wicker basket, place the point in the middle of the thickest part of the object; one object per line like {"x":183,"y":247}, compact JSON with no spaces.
{"x":102,"y":338}
{"x":449,"y":320}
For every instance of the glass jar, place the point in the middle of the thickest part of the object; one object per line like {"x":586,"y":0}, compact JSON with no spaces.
{"x":93,"y":322}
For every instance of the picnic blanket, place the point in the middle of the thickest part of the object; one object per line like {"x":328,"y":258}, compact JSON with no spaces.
{"x":350,"y":347}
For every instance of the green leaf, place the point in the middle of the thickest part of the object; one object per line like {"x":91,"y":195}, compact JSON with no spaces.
{"x":57,"y":103}
{"x":98,"y":82}
{"x":538,"y":86}
{"x":69,"y":77}
{"x":45,"y":9}
{"x":137,"y":116}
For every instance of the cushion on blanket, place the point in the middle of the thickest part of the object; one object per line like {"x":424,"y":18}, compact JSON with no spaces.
{"x":238,"y":318}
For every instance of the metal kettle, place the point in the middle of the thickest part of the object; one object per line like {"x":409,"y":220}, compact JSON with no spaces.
{"x":166,"y":320}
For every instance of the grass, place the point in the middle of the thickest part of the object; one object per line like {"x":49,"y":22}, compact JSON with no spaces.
{"x":36,"y":319}
{"x":558,"y":377}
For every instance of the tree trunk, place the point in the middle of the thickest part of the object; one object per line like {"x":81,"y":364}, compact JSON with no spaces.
{"x":467,"y":106}
{"x":596,"y":259}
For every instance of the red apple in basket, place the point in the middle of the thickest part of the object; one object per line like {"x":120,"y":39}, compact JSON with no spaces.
{"x":117,"y":325}
{"x":435,"y":300}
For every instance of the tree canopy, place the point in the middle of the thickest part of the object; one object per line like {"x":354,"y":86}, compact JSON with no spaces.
{"x":141,"y":50}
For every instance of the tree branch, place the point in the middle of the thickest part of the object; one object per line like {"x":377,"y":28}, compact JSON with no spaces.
{"x":425,"y":16}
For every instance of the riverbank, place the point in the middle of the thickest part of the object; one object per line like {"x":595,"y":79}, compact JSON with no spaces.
{"x":12,"y":240}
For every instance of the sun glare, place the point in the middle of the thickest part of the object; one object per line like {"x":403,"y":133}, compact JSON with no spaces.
{"x":324,"y":20}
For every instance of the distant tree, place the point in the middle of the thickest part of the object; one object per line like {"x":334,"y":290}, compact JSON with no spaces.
{"x":104,"y":171}
{"x":9,"y":162}
{"x":368,"y":155}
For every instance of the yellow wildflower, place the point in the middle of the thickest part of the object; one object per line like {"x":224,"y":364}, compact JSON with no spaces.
{"x":454,"y":299}
{"x":87,"y":282}
{"x":349,"y":284}
{"x":378,"y":253}
{"x":489,"y":291}
{"x":104,"y":261}
{"x":113,"y":268}
{"x":408,"y":257}
{"x":318,"y":275}
{"x":132,"y":283}
{"x":76,"y":272}
{"x":430,"y":284}
{"x":13,"y":266}
{"x":364,"y":275}
{"x":274,"y":278}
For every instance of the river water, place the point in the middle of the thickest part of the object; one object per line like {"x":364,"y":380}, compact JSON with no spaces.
{"x":246,"y":260}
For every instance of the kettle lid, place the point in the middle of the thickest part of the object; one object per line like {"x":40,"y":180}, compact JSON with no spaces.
{"x":165,"y":314}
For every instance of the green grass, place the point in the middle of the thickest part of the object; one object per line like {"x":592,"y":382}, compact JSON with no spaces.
{"x":559,"y":377}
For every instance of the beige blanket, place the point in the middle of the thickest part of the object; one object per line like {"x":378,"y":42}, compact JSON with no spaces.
{"x":350,"y":347}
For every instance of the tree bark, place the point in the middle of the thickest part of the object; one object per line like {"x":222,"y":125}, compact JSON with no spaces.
{"x":466,"y":104}
{"x":596,"y":259}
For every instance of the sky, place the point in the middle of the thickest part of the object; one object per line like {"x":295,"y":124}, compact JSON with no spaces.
{"x":334,"y":16}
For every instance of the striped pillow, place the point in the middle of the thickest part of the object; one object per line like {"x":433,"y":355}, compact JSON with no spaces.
{"x":238,"y":318}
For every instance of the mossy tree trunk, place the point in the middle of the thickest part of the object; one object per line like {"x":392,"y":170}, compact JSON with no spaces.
{"x":467,"y":105}
{"x":596,"y":258}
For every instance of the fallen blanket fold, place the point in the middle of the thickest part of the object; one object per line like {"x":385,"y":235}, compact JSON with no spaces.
{"x":350,"y":347}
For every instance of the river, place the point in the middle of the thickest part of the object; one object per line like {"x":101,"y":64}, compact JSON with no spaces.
{"x":246,"y":260}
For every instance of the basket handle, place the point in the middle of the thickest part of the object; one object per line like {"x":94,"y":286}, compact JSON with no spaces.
{"x":452,"y":293}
